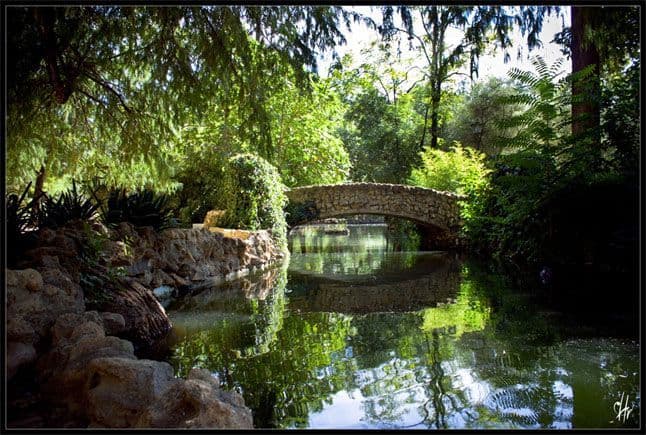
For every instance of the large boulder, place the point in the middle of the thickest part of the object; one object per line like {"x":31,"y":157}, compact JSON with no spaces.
{"x":33,"y":305}
{"x":106,"y":386}
{"x":146,"y":323}
{"x":198,"y":402}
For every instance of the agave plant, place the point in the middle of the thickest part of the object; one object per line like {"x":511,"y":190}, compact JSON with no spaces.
{"x":70,"y":205}
{"x":145,"y":208}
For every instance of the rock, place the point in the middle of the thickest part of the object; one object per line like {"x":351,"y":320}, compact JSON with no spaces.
{"x":198,"y":402}
{"x":213,"y":217}
{"x":18,"y":329}
{"x":18,"y":354}
{"x":58,"y":278}
{"x":77,"y":342}
{"x":113,"y":323}
{"x":179,"y":281}
{"x":105,"y":384}
{"x":161,"y":279}
{"x":33,"y":281}
{"x":38,"y":305}
{"x":144,"y":394}
{"x":163,"y":292}
{"x":121,"y":390}
{"x":146,"y":322}
{"x":139,"y":267}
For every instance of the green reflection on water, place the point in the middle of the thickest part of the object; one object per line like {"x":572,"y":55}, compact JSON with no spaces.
{"x":309,"y":348}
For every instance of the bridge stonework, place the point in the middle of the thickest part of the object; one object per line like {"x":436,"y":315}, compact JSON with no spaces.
{"x":434,"y":209}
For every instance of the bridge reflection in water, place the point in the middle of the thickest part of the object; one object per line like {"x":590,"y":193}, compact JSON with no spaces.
{"x":319,"y":346}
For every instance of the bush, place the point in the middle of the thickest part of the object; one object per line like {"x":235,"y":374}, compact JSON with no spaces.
{"x":202,"y":179}
{"x":507,"y":217}
{"x":458,"y":170}
{"x":70,"y":205}
{"x":254,"y":196}
{"x":145,"y":208}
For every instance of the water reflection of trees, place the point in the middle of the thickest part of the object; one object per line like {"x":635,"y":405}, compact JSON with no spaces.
{"x":483,"y":361}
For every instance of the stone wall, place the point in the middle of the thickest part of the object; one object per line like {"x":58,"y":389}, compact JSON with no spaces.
{"x":189,"y":259}
{"x":425,"y":206}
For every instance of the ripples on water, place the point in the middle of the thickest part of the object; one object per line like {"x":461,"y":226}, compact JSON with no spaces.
{"x":350,"y":335}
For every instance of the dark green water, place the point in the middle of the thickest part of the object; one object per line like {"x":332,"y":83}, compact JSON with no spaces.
{"x":353,"y":335}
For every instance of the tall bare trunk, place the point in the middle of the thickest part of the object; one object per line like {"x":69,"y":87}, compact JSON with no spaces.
{"x":586,"y":112}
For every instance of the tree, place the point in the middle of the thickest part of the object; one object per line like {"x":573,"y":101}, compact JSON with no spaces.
{"x":478,"y":117}
{"x":476,"y":23}
{"x":308,"y":147}
{"x":381,"y":120}
{"x":94,"y":88}
{"x":599,"y":41}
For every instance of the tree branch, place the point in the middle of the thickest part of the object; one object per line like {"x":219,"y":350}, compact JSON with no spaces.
{"x":107,"y":86}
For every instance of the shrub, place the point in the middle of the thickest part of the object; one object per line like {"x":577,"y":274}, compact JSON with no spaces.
{"x":254,"y":196}
{"x":457,"y":170}
{"x":202,"y":179}
{"x":70,"y":205}
{"x":144,"y":208}
{"x":507,"y":216}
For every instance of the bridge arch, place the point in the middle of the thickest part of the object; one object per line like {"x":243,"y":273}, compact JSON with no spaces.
{"x":433,"y":209}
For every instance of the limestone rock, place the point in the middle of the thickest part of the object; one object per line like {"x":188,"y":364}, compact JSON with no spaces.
{"x":121,"y":389}
{"x":18,"y":354}
{"x":36,"y":303}
{"x":113,"y":323}
{"x":146,"y":322}
{"x":198,"y":402}
{"x":213,"y":217}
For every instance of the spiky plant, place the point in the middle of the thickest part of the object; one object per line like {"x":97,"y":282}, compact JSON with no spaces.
{"x":70,"y":205}
{"x":145,"y":208}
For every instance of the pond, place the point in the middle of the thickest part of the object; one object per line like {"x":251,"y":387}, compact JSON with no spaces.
{"x":351,"y":335}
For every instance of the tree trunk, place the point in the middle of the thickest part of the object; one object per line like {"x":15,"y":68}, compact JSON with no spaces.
{"x":38,"y":189}
{"x":435,"y":118}
{"x":586,"y":93}
{"x":421,"y":142}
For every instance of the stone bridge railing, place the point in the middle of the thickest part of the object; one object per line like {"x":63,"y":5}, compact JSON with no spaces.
{"x":425,"y":206}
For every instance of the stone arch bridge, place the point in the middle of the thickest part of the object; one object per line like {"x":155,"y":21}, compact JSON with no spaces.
{"x":437,"y":213}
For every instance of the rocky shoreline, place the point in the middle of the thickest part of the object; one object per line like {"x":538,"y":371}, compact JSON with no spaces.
{"x":76,"y":341}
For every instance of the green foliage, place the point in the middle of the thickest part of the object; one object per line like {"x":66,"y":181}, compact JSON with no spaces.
{"x":206,"y":144}
{"x":145,"y":208}
{"x":544,"y":99}
{"x":620,"y":118}
{"x":308,"y":149}
{"x":458,"y":170}
{"x":546,"y":198}
{"x":478,"y":116}
{"x":70,"y":205}
{"x":104,"y":90}
{"x":403,"y":235}
{"x":469,"y":311}
{"x":381,"y":137}
{"x":505,"y":218}
{"x":300,"y":213}
{"x":254,"y":196}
